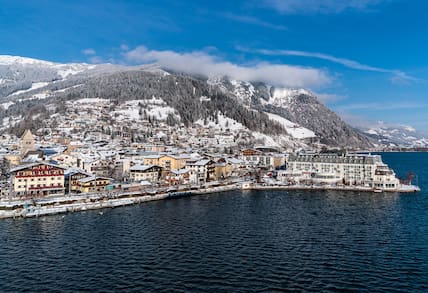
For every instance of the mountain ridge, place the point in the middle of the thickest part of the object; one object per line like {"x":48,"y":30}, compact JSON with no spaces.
{"x":258,"y":106}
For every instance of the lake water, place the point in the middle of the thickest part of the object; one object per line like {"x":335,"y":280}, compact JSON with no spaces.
{"x":230,"y":242}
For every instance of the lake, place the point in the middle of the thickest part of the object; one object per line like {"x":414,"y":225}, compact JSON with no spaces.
{"x":264,"y":241}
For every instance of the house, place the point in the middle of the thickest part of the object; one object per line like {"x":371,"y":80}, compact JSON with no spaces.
{"x":167,"y":161}
{"x":173,"y":162}
{"x":72,"y":176}
{"x":151,"y":160}
{"x":258,"y":158}
{"x":152,"y":173}
{"x":37,"y":179}
{"x":201,"y":171}
{"x":223,"y":169}
{"x":65,"y":159}
{"x":175,"y":177}
{"x":92,"y":184}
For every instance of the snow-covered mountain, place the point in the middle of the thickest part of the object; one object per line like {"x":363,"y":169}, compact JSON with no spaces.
{"x":286,"y":115}
{"x":20,"y":75}
{"x":299,"y":106}
{"x":395,"y":135}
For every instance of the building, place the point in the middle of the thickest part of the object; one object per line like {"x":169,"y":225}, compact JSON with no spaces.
{"x":26,"y":143}
{"x":258,"y":158}
{"x":92,"y":184}
{"x":37,"y":179}
{"x":167,"y":161}
{"x":173,"y":162}
{"x":201,"y":171}
{"x":351,"y":169}
{"x":223,"y":169}
{"x":71,"y":177}
{"x":152,"y":173}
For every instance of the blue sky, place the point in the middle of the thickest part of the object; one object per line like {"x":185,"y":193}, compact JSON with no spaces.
{"x":367,"y":59}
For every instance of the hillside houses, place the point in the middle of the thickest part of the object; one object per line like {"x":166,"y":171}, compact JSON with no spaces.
{"x":69,"y":161}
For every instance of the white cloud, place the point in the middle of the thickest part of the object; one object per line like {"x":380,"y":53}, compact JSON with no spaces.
{"x":320,"y":6}
{"x":89,"y":51}
{"x":253,"y":21}
{"x":398,"y":77}
{"x":96,"y":60}
{"x":203,"y":63}
{"x":124,"y":47}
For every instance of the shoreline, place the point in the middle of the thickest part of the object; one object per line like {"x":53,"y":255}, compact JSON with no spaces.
{"x":30,"y":208}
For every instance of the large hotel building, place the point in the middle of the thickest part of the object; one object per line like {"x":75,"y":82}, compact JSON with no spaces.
{"x":351,"y":169}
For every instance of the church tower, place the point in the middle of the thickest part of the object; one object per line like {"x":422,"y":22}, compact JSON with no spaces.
{"x":27,"y":142}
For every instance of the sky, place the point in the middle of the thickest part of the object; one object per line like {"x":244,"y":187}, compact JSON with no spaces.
{"x":365,"y":59}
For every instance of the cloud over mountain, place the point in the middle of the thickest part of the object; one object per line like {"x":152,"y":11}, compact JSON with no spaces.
{"x":199,"y":62}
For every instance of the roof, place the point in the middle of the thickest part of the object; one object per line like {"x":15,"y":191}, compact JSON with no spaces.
{"x":22,"y":167}
{"x":234,"y":161}
{"x":92,"y":178}
{"x":180,"y":171}
{"x":73,"y":171}
{"x":27,"y":134}
{"x":201,"y":162}
{"x":152,"y":156}
{"x":143,"y":167}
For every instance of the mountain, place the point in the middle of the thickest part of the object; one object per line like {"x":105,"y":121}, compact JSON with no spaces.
{"x":30,"y":88}
{"x":299,"y":106}
{"x":391,"y":136}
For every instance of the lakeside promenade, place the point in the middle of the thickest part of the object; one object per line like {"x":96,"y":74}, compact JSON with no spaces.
{"x":27,"y":208}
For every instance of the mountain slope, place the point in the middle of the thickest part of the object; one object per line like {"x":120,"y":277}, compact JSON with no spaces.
{"x":298,"y":106}
{"x":392,"y":136}
{"x":29,"y":86}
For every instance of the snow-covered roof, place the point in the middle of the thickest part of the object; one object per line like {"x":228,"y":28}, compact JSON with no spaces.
{"x":72,"y":171}
{"x":234,"y":161}
{"x":92,"y":178}
{"x":22,"y":167}
{"x":152,"y":156}
{"x":201,"y":162}
{"x":142,"y":167}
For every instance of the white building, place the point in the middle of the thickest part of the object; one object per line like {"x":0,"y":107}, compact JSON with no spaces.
{"x":201,"y":171}
{"x":351,"y":169}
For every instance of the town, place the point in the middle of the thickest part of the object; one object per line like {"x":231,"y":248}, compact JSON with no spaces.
{"x":78,"y":154}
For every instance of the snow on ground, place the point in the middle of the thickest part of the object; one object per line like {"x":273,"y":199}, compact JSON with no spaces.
{"x":160,"y":112}
{"x":129,"y":113}
{"x":223,"y":122}
{"x":371,"y":131}
{"x":266,"y":139}
{"x":7,"y":105}
{"x":152,"y":101}
{"x":282,"y":97}
{"x":64,"y":70}
{"x":10,"y":121}
{"x":154,"y":107}
{"x":204,"y":99}
{"x":91,"y":101}
{"x":293,"y":129}
{"x":34,"y":86}
{"x":243,"y":90}
{"x":409,"y":128}
{"x":41,"y":96}
{"x":71,"y":87}
{"x":9,"y":60}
